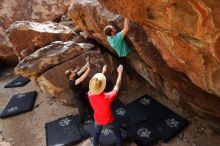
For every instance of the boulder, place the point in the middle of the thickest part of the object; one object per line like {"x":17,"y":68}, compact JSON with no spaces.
{"x":49,"y":56}
{"x":35,"y":10}
{"x":175,"y":55}
{"x":26,"y":37}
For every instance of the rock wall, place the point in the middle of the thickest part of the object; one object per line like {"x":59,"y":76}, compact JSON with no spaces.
{"x":173,"y":40}
{"x":35,"y":10}
{"x":185,"y":32}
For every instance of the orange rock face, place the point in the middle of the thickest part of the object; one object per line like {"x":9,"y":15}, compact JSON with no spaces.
{"x":185,"y":32}
{"x":176,"y":39}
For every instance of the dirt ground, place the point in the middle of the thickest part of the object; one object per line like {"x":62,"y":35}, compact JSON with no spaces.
{"x":28,"y":129}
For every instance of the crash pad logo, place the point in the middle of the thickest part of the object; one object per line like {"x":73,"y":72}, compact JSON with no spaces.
{"x":19,"y":96}
{"x":143,"y":132}
{"x":13,"y":109}
{"x":64,"y":122}
{"x":18,"y":83}
{"x":172,"y":123}
{"x":120,"y":111}
{"x":107,"y":131}
{"x":145,"y":101}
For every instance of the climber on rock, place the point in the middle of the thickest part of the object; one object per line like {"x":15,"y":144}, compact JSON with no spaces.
{"x":127,"y":54}
{"x":101,"y":103}
{"x":116,"y":40}
{"x":75,"y":79}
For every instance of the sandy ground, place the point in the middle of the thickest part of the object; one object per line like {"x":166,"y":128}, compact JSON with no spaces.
{"x":28,"y":129}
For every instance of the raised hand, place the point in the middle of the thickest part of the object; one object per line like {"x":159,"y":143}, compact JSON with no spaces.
{"x":120,"y":68}
{"x":87,"y":59}
{"x":104,"y":68}
{"x":87,"y":62}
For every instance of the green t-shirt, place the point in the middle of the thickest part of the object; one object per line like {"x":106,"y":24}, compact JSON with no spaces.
{"x":118,"y":43}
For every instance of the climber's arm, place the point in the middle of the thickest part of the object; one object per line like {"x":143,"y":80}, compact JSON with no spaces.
{"x":85,"y":74}
{"x":84,"y":67}
{"x":126,"y":28}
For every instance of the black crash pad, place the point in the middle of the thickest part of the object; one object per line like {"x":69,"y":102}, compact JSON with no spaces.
{"x":171,"y":126}
{"x":134,"y":113}
{"x":151,"y":109}
{"x":63,"y":131}
{"x":119,"y":111}
{"x":143,"y":135}
{"x":19,"y":104}
{"x":108,"y":138}
{"x":18,"y":82}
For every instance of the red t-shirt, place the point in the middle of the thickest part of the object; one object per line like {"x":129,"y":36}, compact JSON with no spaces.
{"x":101,"y":105}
